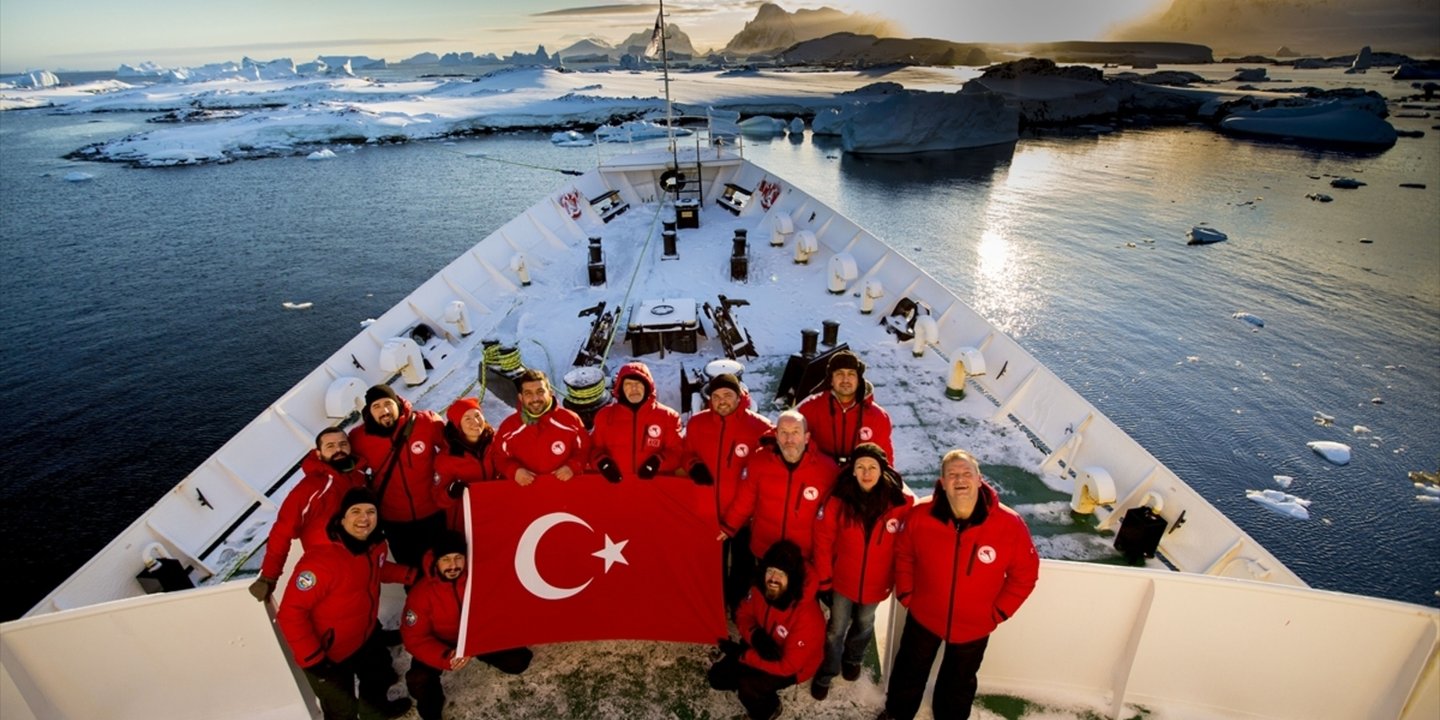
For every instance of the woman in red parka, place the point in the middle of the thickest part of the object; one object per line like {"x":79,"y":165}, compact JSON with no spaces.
{"x":855,"y":539}
{"x":464,"y":458}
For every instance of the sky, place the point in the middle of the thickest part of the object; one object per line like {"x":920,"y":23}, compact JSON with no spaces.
{"x":100,"y":34}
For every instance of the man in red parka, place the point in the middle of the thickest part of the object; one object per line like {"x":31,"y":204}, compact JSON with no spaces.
{"x":782,"y":633}
{"x":965,"y":563}
{"x":329,"y":615}
{"x":540,"y":437}
{"x":305,"y":514}
{"x":635,"y":436}
{"x":719,"y":442}
{"x":399,"y":445}
{"x":431,"y":628}
{"x":843,"y":413}
{"x":783,"y":491}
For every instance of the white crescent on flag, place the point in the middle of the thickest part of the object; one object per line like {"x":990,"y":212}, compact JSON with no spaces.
{"x":530,"y":576}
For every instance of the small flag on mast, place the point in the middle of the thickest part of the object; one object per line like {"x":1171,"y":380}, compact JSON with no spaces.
{"x":652,"y":50}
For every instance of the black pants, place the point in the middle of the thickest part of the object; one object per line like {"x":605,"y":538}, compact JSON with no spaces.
{"x":954,"y":686}
{"x":409,"y":541}
{"x":739,"y":568}
{"x":758,"y":690}
{"x":423,"y":681}
{"x":334,"y":683}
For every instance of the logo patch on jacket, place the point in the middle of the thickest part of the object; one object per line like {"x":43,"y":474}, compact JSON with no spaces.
{"x":810,"y":492}
{"x":782,"y":632}
{"x":986,"y":554}
{"x":304,"y":581}
{"x":653,"y":431}
{"x":557,"y":448}
{"x":417,"y":447}
{"x":866,"y":433}
{"x":742,"y":450}
{"x":410,"y":618}
{"x":892,"y":526}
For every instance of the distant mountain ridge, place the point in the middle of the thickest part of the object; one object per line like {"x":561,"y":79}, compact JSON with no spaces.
{"x":1308,"y":26}
{"x":774,"y":29}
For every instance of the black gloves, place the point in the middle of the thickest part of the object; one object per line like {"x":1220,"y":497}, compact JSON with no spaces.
{"x":768,"y":441}
{"x":764,"y":645}
{"x":263,"y":588}
{"x":609,"y":469}
{"x":648,"y":468}
{"x":456,"y":489}
{"x":731,"y":648}
{"x":701,"y":475}
{"x":825,"y":596}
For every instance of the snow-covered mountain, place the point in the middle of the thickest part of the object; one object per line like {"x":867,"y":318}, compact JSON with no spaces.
{"x":588,"y":47}
{"x":774,"y":29}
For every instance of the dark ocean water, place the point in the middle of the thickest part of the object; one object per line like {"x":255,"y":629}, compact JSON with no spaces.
{"x":144,"y":320}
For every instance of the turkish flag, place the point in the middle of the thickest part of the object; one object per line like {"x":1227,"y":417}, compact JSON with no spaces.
{"x":591,"y":560}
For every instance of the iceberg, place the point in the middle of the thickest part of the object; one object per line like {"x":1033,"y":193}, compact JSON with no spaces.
{"x":912,"y":122}
{"x":321,"y":154}
{"x":1199,"y":235}
{"x":1280,"y":502}
{"x":762,"y":125}
{"x":570,"y":138}
{"x":1330,"y":122}
{"x":33,"y":79}
{"x":1338,"y":453}
{"x":1247,"y":317}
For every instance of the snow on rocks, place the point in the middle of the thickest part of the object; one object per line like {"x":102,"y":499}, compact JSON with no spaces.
{"x":321,"y":154}
{"x":1335,"y":452}
{"x":1281,"y":502}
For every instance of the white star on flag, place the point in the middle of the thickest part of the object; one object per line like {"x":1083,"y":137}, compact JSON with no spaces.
{"x":652,"y":50}
{"x":612,"y":553}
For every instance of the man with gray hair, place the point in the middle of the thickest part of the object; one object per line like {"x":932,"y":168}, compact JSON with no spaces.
{"x":784,"y":488}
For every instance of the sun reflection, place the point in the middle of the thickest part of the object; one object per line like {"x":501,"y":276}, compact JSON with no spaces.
{"x":1004,"y":282}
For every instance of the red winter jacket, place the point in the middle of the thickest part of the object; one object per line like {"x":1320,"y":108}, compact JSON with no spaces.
{"x":724,"y":445}
{"x":465,"y":467}
{"x":556,"y":438}
{"x":630,"y":435}
{"x":781,"y":503}
{"x":837,"y":430}
{"x":799,"y":631}
{"x":409,"y":493}
{"x":861,"y":569}
{"x":332,"y":606}
{"x":430,"y":626}
{"x":307,"y":510}
{"x":961,"y":580}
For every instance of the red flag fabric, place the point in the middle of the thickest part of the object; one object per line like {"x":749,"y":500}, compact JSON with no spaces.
{"x":591,"y":560}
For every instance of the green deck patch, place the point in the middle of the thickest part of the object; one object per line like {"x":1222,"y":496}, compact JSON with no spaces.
{"x":1012,"y":707}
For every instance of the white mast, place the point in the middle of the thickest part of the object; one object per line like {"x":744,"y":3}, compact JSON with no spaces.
{"x":665,"y":68}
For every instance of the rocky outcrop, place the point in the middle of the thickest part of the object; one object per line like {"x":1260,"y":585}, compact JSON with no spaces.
{"x":774,"y":29}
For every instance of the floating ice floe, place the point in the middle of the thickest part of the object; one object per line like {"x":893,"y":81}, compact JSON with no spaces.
{"x":1360,"y":430}
{"x":1247,"y":317}
{"x":570,"y":138}
{"x":297,"y":306}
{"x":1283,"y":480}
{"x":1324,"y":420}
{"x":1283,"y":503}
{"x":1338,"y":453}
{"x":1433,"y":499}
{"x":1428,"y":489}
{"x":1199,"y":235}
{"x":77,"y":176}
{"x":321,"y":154}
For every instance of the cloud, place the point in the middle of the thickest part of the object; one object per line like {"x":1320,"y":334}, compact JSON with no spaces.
{"x":250,"y":47}
{"x":600,"y":10}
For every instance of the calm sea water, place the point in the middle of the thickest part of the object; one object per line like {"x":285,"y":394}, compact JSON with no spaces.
{"x":144,"y":326}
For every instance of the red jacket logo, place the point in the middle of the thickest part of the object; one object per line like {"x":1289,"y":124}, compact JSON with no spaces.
{"x":417,"y":447}
{"x":410,"y":618}
{"x":892,"y":526}
{"x":810,"y":493}
{"x":986,"y":554}
{"x":782,"y":632}
{"x":557,"y":448}
{"x":866,"y":433}
{"x":653,"y":431}
{"x":742,"y":450}
{"x":305,"y":581}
